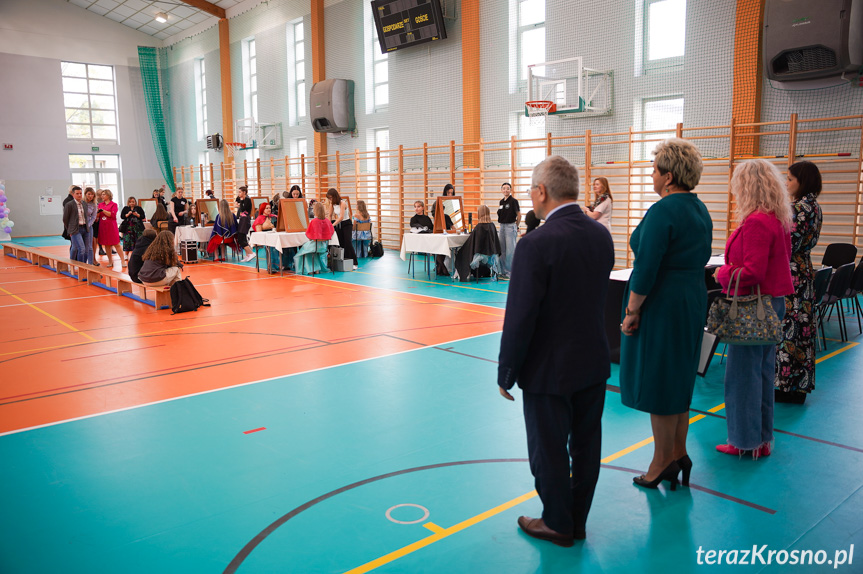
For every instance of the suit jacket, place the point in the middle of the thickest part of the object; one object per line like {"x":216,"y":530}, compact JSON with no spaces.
{"x":70,"y":216}
{"x":553,"y":339}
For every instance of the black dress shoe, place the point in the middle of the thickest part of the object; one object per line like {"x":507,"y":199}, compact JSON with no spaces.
{"x":536,"y":527}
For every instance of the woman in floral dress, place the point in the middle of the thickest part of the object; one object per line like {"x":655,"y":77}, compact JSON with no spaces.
{"x":795,"y":356}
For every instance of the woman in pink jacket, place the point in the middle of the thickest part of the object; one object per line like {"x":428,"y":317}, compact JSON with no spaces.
{"x":761,"y":248}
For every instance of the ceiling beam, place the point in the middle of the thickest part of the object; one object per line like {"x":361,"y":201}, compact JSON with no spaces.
{"x":206,"y":7}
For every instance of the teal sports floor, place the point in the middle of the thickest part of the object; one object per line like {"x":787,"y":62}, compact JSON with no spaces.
{"x":412,"y":462}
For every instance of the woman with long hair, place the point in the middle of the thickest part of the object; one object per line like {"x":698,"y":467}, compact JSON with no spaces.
{"x":161,"y":214}
{"x":600,"y":209}
{"x":92,"y":207}
{"x":244,"y":221}
{"x":758,"y":253}
{"x":266,"y":222}
{"x":362,"y":237}
{"x":482,"y":248}
{"x":795,"y":357}
{"x":109,"y":233}
{"x":224,"y":230}
{"x":134,"y":217}
{"x":340,"y":216}
{"x":664,"y":318}
{"x":161,"y":265}
{"x":296,"y":192}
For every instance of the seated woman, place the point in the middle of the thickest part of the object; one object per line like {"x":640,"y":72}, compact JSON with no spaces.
{"x":320,"y":232}
{"x":482,"y":247}
{"x":362,"y":237}
{"x":265,"y":221}
{"x":224,"y":230}
{"x":162,"y":267}
{"x":136,"y":259}
{"x":421,"y":222}
{"x":161,"y":214}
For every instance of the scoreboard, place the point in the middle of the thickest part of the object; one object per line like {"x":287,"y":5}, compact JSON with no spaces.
{"x":403,"y":23}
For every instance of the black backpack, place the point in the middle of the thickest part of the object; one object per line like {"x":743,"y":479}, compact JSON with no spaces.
{"x":184,"y":297}
{"x":376,"y":249}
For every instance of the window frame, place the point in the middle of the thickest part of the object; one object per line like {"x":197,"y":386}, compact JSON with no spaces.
{"x":659,"y":63}
{"x":299,"y":82}
{"x":201,"y":98}
{"x":89,"y":96}
{"x":250,"y":58}
{"x":117,"y":189}
{"x":520,"y":30}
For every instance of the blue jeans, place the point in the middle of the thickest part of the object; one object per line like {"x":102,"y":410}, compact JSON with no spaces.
{"x":78,"y":248}
{"x":749,"y":385}
{"x":507,"y":234}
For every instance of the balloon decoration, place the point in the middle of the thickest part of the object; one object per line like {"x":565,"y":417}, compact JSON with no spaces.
{"x":6,"y":224}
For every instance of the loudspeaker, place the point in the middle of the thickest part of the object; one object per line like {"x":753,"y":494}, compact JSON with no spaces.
{"x":807,"y":39}
{"x":332,"y":106}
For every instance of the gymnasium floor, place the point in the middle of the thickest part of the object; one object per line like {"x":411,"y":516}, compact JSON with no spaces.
{"x":351,"y":423}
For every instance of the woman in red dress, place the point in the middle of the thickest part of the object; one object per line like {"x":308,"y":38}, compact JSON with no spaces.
{"x":109,"y":234}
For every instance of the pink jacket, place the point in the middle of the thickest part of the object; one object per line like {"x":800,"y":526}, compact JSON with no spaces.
{"x":762,"y":248}
{"x":319,"y":229}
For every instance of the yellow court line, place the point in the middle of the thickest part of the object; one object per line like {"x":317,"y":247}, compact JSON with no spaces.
{"x":836,"y":352}
{"x":49,"y":315}
{"x":434,"y":527}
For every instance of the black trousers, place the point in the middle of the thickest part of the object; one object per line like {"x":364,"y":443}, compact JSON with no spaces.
{"x":343,"y":232}
{"x":551,"y":422}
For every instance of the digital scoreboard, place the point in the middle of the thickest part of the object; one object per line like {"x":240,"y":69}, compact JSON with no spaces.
{"x":404,"y":23}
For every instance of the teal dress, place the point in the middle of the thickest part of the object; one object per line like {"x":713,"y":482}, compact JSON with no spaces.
{"x":658,"y":363}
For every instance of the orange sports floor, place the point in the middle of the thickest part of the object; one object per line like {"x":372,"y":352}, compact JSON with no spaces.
{"x":70,"y":349}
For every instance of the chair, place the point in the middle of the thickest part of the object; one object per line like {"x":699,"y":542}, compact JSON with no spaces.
{"x":163,"y":225}
{"x":358,"y":227}
{"x":838,"y":254}
{"x":820,"y":284}
{"x":855,"y":289}
{"x":839,"y":285}
{"x":316,"y":249}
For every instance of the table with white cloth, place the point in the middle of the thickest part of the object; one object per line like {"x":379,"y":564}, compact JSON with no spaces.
{"x":189,"y":233}
{"x":432,"y":243}
{"x":281,"y":240}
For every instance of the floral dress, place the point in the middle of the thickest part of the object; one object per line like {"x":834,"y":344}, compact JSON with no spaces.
{"x":795,"y":355}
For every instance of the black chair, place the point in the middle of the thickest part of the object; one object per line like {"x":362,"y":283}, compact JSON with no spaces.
{"x":838,"y":254}
{"x":820,"y":284}
{"x":855,"y":289}
{"x":839,"y":285}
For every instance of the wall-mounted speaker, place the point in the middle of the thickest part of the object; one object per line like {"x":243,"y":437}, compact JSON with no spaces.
{"x":808,"y":39}
{"x":332,"y":106}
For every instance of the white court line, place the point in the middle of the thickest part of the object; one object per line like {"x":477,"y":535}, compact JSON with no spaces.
{"x":35,"y":280}
{"x":240,"y":385}
{"x":58,"y":300}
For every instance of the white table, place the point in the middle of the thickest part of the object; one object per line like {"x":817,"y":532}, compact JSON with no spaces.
{"x":433,"y":243}
{"x":281,"y":240}
{"x":189,"y":233}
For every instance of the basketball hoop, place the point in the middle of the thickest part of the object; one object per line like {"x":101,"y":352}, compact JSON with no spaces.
{"x":538,"y":110}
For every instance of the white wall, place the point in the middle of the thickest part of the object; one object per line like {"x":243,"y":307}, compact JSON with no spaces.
{"x":35,"y":36}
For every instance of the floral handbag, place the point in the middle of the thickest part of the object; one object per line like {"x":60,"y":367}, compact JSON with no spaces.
{"x":748,"y":320}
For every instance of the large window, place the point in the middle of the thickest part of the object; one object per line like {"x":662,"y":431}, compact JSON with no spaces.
{"x":250,"y":73}
{"x":376,"y":67}
{"x":299,"y":147}
{"x":299,"y":69}
{"x":201,"y":98}
{"x":89,"y":98}
{"x":99,"y":171}
{"x":531,"y":35}
{"x":664,"y":32}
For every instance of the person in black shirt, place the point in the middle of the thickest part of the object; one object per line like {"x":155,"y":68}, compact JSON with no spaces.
{"x":421,"y":221}
{"x":179,"y":209}
{"x":244,"y":221}
{"x":508,"y":216}
{"x":135,"y":259}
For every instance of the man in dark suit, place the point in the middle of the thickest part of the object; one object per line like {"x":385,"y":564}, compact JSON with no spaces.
{"x":553,"y":345}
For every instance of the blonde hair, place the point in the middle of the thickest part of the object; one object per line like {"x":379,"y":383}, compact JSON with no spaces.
{"x":483,"y":214}
{"x":682,"y":159}
{"x":361,"y":207}
{"x":757,"y":186}
{"x":319,"y":211}
{"x":226,"y":218}
{"x":108,"y":193}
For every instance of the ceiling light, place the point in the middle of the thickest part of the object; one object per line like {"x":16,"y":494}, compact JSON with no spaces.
{"x":161,"y":17}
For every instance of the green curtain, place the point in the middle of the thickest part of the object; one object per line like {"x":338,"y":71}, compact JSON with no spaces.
{"x":152,"y":61}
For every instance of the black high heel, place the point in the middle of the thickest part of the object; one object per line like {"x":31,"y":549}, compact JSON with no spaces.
{"x":685,"y":465}
{"x":669,"y":474}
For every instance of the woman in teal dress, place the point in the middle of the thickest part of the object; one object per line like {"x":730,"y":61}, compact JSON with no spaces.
{"x":663,"y":322}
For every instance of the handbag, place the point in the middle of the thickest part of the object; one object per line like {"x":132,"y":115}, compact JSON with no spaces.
{"x":748,"y":320}
{"x":124,"y":227}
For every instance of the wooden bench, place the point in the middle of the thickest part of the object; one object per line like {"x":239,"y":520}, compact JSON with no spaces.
{"x":119,"y":283}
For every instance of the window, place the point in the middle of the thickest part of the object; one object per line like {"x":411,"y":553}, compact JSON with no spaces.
{"x":532,"y":152}
{"x":377,"y":67}
{"x":660,"y":47}
{"x":89,"y":98}
{"x":97,"y":171}
{"x":250,"y":71}
{"x":204,"y":160}
{"x":531,"y":35}
{"x":299,"y":147}
{"x":201,"y":98}
{"x":381,"y":139}
{"x":300,"y":69}
{"x":657,"y":114}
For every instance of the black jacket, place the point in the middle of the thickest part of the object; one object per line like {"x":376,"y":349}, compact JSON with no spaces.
{"x":483,"y":240}
{"x":135,"y":259}
{"x":553,"y":339}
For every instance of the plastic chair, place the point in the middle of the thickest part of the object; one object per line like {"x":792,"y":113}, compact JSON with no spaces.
{"x":839,"y":285}
{"x":358,"y":227}
{"x":853,"y":291}
{"x":820,"y":284}
{"x":839,"y":254}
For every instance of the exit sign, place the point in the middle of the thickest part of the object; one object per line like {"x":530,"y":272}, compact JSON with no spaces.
{"x":94,"y":148}
{"x":7,"y":146}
